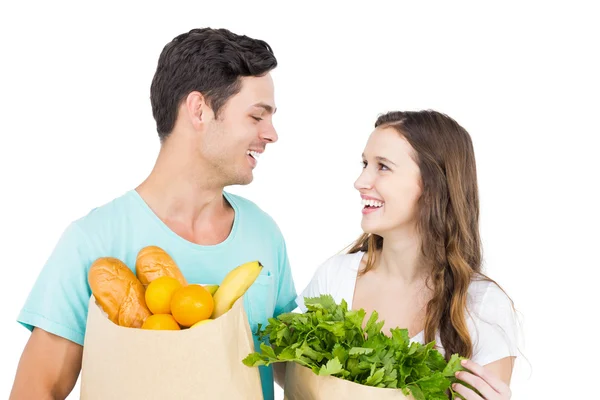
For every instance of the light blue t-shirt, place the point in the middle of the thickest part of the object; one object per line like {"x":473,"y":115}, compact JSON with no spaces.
{"x":59,"y":299}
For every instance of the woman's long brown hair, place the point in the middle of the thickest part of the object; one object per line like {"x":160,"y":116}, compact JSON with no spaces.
{"x":448,"y":221}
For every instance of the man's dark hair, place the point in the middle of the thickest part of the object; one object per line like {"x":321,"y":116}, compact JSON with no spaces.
{"x":210,"y":61}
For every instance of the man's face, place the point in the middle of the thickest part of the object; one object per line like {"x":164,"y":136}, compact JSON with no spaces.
{"x":235,"y":140}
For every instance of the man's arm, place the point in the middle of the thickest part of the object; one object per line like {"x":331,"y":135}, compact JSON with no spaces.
{"x":48,"y":368}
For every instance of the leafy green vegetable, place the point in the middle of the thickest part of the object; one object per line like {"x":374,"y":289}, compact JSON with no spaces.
{"x":332,"y":340}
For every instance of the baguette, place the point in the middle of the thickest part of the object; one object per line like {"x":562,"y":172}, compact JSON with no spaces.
{"x":118,"y":292}
{"x":153,"y":262}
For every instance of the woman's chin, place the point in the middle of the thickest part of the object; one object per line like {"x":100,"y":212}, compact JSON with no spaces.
{"x":370,"y":228}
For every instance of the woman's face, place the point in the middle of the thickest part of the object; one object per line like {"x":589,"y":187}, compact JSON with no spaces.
{"x":390,"y":183}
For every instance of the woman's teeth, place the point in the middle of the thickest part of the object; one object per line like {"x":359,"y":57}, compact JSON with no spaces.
{"x":254,"y":154}
{"x":372,"y":203}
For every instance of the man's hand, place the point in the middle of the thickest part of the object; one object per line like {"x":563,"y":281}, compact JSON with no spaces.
{"x":48,"y":369}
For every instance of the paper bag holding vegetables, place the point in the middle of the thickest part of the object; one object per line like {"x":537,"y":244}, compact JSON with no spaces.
{"x":331,"y":353}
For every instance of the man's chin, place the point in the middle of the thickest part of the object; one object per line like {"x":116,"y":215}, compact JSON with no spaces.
{"x":242,"y":180}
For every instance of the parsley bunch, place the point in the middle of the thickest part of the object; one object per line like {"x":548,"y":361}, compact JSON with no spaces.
{"x":331,"y":340}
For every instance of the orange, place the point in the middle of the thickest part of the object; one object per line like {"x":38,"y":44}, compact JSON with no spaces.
{"x":190,"y":304}
{"x":201,"y":323}
{"x":159,"y":292}
{"x":161,"y":322}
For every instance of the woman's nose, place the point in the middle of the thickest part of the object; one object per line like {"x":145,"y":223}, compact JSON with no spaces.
{"x":363,"y":182}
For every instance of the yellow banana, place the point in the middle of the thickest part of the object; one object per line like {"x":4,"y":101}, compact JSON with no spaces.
{"x":211,"y":288}
{"x":235,"y":284}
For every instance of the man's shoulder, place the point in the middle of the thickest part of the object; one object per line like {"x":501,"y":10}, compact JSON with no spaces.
{"x":252,"y":212}
{"x":104,"y":215}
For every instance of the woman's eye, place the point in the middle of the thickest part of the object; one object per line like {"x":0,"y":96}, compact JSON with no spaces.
{"x":257,"y":118}
{"x":364,"y":164}
{"x":383,"y":167}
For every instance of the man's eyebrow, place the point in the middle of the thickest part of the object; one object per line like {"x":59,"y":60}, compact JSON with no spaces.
{"x":267,"y":107}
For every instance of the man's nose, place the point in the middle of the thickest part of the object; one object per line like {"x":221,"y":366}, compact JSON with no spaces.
{"x":269,"y":134}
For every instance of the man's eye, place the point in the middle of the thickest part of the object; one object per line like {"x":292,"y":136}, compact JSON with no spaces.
{"x":257,"y":118}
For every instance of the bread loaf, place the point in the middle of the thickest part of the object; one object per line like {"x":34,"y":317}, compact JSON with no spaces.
{"x":118,"y":292}
{"x":153,"y":262}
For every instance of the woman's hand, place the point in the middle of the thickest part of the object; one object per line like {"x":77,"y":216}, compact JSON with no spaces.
{"x":487,"y":384}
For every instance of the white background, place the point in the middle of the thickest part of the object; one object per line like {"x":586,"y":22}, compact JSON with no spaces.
{"x":77,"y":131}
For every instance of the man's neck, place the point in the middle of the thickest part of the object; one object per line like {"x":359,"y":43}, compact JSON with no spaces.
{"x":178,"y":191}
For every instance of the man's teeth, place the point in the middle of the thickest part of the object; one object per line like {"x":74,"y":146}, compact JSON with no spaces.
{"x":254,"y":154}
{"x":371,"y":203}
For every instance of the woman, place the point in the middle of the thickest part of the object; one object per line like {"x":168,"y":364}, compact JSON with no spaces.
{"x":418,"y":263}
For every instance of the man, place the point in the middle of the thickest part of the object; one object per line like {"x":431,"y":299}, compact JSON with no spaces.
{"x":212,"y":98}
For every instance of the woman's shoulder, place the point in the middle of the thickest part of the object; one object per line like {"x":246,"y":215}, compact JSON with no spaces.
{"x":484,"y":294}
{"x":344,"y":261}
{"x":493,"y":322}
{"x":489,"y":305}
{"x":334,"y":276}
{"x":339,"y":266}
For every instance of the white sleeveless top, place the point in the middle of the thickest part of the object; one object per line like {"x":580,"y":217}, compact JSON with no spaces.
{"x":490,"y":318}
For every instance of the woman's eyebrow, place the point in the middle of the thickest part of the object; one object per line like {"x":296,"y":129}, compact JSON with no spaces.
{"x":385,"y":160}
{"x":381,"y":159}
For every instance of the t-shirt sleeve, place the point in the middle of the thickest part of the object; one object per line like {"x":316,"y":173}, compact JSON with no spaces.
{"x":58,"y":301}
{"x":496,"y":328}
{"x":317,"y":286}
{"x":286,"y":290}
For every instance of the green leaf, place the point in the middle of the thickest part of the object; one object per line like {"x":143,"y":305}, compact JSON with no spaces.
{"x":333,"y":367}
{"x":400,"y":338}
{"x":433,"y":383}
{"x":343,"y":306}
{"x":435,"y":361}
{"x":416,"y":392}
{"x":287,"y":318}
{"x":253,"y":360}
{"x":375,"y":378}
{"x":360,"y":350}
{"x":372,"y":320}
{"x":287,"y":354}
{"x":268,"y":350}
{"x":453,"y":366}
{"x":414,"y":346}
{"x":324,"y":302}
{"x":373,"y":327}
{"x":405,"y":371}
{"x":309,"y":352}
{"x":356,"y":318}
{"x":340,"y":353}
{"x":282,"y":335}
{"x":337,"y":328}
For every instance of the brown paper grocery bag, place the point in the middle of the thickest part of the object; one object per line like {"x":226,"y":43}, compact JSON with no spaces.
{"x":199,"y":363}
{"x":301,"y":383}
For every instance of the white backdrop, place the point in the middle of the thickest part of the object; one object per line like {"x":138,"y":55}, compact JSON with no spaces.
{"x":77,"y":131}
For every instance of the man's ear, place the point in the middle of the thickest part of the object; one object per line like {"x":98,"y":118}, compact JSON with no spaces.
{"x":197,"y":109}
